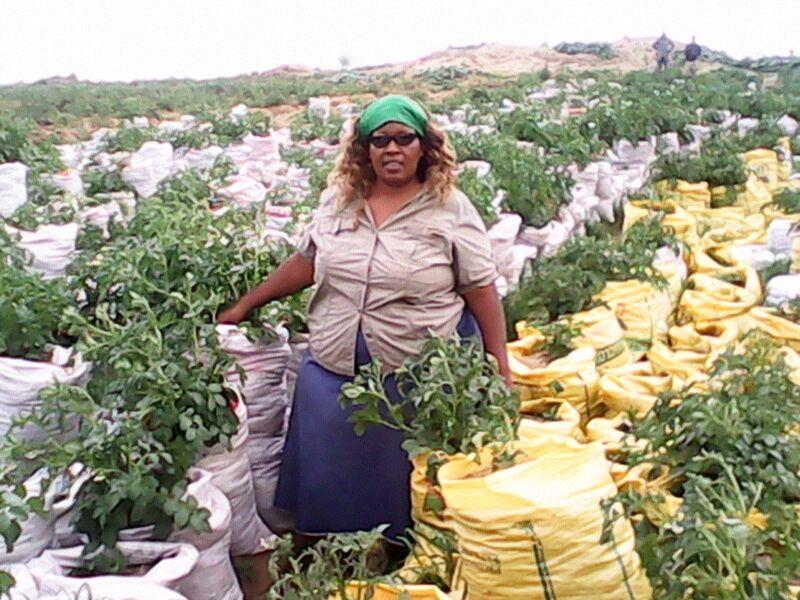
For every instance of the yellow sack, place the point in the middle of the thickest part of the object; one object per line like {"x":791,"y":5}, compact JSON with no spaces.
{"x":359,"y":591}
{"x":730,"y":217}
{"x":763,"y":164}
{"x":701,"y":262}
{"x":572,"y":378}
{"x":427,"y":558}
{"x":642,"y":309}
{"x":792,"y":360}
{"x":566,"y":421}
{"x":771,"y":212}
{"x":613,"y":433}
{"x":633,"y":387}
{"x":427,"y":497}
{"x":709,"y":298}
{"x":532,"y":531}
{"x":681,"y":222}
{"x":710,"y":338}
{"x":748,"y":230}
{"x":685,"y":194}
{"x":751,"y":196}
{"x":632,"y":214}
{"x":640,"y":479}
{"x":776,"y":326}
{"x":682,"y":364}
{"x":722,"y":196}
{"x":601,"y":330}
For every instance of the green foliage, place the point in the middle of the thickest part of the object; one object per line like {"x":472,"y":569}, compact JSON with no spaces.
{"x":481,"y":190}
{"x":788,"y":201}
{"x":318,"y":170}
{"x":600,"y":50}
{"x":718,"y":163}
{"x":734,"y":460}
{"x":101,"y":181}
{"x":211,"y":128}
{"x":563,"y":140}
{"x":16,"y":145}
{"x":156,"y":397}
{"x":566,"y":283}
{"x":534,"y":189}
{"x":558,"y":337}
{"x":324,"y":569}
{"x":31,"y":310}
{"x":446,"y":78}
{"x":452,"y":399}
{"x":307,"y":127}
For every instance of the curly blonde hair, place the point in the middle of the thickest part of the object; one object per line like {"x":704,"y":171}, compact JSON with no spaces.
{"x":353,"y":174}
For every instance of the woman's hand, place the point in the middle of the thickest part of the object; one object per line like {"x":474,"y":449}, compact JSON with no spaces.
{"x":295,"y":274}
{"x":233,"y":315}
{"x":506,"y":373}
{"x":484,"y":302}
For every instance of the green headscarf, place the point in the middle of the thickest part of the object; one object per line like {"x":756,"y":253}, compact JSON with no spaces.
{"x":395,"y":109}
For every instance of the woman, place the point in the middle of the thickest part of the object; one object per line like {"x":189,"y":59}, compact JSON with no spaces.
{"x":395,"y":250}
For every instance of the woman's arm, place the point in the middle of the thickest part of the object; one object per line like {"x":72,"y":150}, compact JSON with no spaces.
{"x":484,"y":302}
{"x":295,"y":274}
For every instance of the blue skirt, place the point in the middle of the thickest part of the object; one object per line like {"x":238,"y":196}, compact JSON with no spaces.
{"x":333,"y":480}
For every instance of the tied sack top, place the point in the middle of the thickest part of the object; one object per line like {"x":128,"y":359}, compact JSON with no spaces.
{"x":393,"y":282}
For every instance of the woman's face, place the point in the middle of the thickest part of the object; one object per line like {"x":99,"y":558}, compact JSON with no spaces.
{"x":395,"y":164}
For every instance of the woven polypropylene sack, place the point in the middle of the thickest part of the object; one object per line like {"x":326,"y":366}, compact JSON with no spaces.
{"x":532,"y":531}
{"x":633,"y":388}
{"x":572,"y":378}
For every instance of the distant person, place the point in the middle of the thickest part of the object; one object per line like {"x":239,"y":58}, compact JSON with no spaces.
{"x":663,"y":47}
{"x":692,"y":52}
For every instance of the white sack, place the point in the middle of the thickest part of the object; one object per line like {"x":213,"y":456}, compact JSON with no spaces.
{"x":37,"y":531}
{"x":745,"y":125}
{"x":264,"y":393}
{"x":52,"y":247}
{"x":699,"y":133}
{"x":320,"y":107}
{"x":213,"y":575}
{"x":148,"y":167}
{"x":782,"y":289}
{"x":239,"y":111}
{"x":641,"y":152}
{"x":780,"y":235}
{"x":605,"y":209}
{"x":231,"y":474}
{"x":669,"y":142}
{"x":25,"y":587}
{"x":171,"y":563}
{"x":22,"y":380}
{"x":243,"y":191}
{"x":68,"y":180}
{"x":788,"y":125}
{"x":758,"y":256}
{"x":13,"y":188}
{"x":202,"y":158}
{"x":502,"y":236}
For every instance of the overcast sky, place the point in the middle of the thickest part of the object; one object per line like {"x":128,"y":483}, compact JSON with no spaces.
{"x":111,"y":40}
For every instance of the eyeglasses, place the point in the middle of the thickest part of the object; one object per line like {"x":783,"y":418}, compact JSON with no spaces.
{"x":401,"y":139}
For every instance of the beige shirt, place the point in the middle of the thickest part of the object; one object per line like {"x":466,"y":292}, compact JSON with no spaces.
{"x":394,"y":282}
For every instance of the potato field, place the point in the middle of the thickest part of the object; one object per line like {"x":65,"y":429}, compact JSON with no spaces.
{"x":646,"y":228}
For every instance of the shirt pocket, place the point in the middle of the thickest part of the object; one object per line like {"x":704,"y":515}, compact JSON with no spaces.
{"x":335,"y":234}
{"x":430,"y":257}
